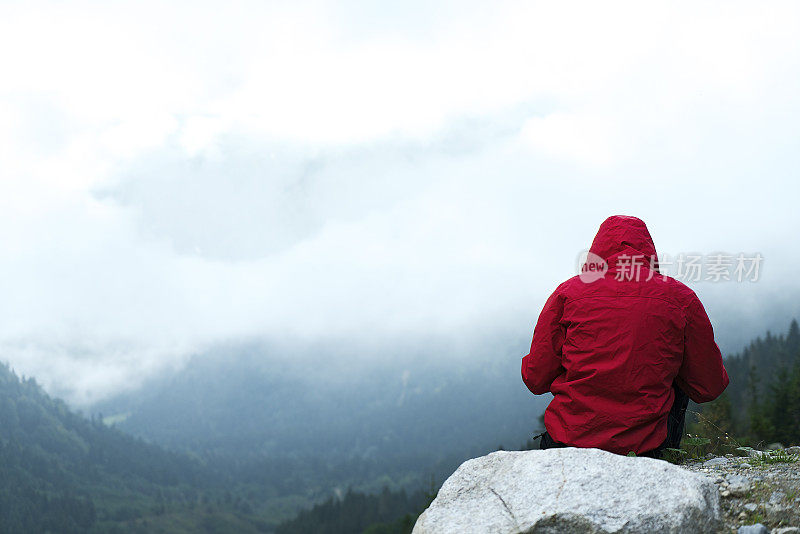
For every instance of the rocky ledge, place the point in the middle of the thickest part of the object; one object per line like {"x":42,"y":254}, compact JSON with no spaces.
{"x":759,"y":494}
{"x":576,"y":491}
{"x":582,"y":491}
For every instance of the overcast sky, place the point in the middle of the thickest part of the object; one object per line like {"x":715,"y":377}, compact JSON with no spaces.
{"x":173,"y":175}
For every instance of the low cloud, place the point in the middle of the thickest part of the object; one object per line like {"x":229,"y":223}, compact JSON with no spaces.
{"x":302,"y":176}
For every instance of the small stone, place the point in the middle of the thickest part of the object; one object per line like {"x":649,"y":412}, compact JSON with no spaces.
{"x":742,"y":516}
{"x":725,"y":493}
{"x":751,"y":507}
{"x":739,"y":489}
{"x":776,"y":497}
{"x":793,"y":450}
{"x":786,"y":530}
{"x":758,"y":528}
{"x":721,"y":460}
{"x":745,"y":465}
{"x":719,"y":480}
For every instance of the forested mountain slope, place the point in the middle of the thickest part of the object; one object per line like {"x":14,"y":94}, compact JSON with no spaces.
{"x":762,"y":401}
{"x":392,"y":419}
{"x":60,"y":472}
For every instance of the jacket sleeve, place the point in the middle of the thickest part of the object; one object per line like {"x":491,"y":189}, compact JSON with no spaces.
{"x":702,"y":374}
{"x":543,"y":363}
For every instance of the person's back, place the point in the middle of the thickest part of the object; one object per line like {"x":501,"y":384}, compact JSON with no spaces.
{"x":611,"y":345}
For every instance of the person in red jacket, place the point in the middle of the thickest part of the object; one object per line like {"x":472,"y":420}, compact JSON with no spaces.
{"x":621,"y":347}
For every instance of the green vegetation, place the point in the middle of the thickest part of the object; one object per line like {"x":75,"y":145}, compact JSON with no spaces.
{"x":770,"y":457}
{"x":692,"y":447}
{"x":754,"y":518}
{"x":761,"y":405}
{"x":765,"y":390}
{"x":60,"y":472}
{"x":385,"y":513}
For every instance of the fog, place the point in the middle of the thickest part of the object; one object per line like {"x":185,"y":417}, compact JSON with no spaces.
{"x":176,"y":177}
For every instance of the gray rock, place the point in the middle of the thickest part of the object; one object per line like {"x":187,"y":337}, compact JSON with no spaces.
{"x":751,"y":507}
{"x":720,"y":460}
{"x":793,"y":450}
{"x":777,"y":513}
{"x":786,"y":530}
{"x":739,"y":489}
{"x":776,"y":497}
{"x":758,"y":528}
{"x":738,"y":479}
{"x":571,"y":490}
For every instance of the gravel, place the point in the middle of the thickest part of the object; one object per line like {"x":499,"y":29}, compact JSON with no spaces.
{"x":757,"y":497}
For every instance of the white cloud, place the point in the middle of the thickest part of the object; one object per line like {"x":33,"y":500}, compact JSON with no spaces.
{"x":586,"y":139}
{"x":175,"y":175}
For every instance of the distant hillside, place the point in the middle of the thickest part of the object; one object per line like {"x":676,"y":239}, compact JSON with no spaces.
{"x":309,"y":423}
{"x":244,"y":401}
{"x":62,"y":473}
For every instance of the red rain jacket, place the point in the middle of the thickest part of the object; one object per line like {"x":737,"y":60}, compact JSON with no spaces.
{"x":609,"y":349}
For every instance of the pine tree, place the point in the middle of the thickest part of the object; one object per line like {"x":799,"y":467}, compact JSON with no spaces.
{"x":793,"y":341}
{"x":779,"y":425}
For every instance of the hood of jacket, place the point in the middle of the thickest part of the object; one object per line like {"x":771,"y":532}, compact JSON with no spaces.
{"x":624,"y":235}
